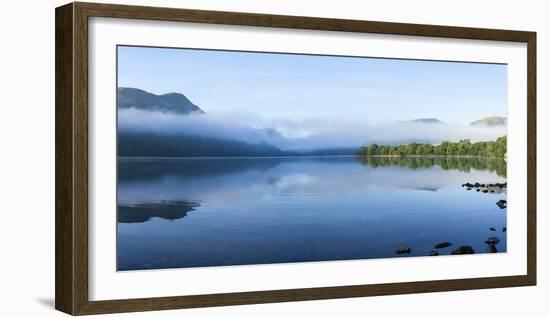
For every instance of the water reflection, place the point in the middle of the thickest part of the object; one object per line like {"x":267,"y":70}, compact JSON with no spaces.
{"x":176,"y":213}
{"x":168,"y":210}
{"x":464,"y":164}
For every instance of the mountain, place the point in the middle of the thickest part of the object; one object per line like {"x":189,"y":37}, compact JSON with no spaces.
{"x":144,"y":144}
{"x":167,"y":103}
{"x":494,"y":121}
{"x":328,"y":152}
{"x":424,"y":121}
{"x":151,"y":144}
{"x":271,"y":133}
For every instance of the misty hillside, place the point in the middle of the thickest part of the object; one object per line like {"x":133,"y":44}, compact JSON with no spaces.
{"x":424,"y":121}
{"x":135,"y":143}
{"x":493,"y":121}
{"x":170,"y":125}
{"x":138,"y":144}
{"x":166,"y":103}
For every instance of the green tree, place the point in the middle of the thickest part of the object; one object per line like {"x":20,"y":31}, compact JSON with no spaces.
{"x":463,"y":147}
{"x":372,"y":150}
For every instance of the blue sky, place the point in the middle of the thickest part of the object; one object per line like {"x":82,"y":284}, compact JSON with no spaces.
{"x":378,"y":91}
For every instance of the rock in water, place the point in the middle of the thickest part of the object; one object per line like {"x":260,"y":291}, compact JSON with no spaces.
{"x":492,"y":240}
{"x":492,"y":229}
{"x":504,"y":229}
{"x":403,"y":250}
{"x":434,"y":253}
{"x":443,"y":245}
{"x":491,"y":248}
{"x":464,"y":249}
{"x":502,"y":204}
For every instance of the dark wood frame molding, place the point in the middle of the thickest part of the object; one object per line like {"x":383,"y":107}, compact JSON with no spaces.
{"x":71,"y":157}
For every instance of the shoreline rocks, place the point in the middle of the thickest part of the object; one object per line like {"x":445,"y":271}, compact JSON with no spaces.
{"x":403,"y":250}
{"x":486,"y":188}
{"x":491,"y":244}
{"x":492,"y":240}
{"x":442,"y":245}
{"x":464,"y":249}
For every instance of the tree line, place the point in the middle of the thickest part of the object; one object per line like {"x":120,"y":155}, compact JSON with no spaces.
{"x":496,"y":149}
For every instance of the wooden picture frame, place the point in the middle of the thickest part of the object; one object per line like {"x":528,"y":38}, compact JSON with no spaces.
{"x":71,"y":90}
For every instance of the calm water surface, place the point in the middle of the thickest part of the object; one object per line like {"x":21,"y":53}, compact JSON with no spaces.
{"x":176,"y":213}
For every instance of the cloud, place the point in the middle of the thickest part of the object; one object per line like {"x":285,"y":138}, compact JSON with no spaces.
{"x":305,"y":134}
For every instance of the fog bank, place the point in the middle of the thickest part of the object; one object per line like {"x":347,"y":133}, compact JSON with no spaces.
{"x":307,"y":134}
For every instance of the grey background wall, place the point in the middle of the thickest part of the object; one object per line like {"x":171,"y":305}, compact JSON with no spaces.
{"x":27,"y":158}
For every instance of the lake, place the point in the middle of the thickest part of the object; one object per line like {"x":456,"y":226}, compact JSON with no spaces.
{"x":186,"y":212}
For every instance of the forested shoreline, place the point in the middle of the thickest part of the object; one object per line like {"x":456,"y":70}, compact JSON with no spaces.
{"x":495,"y":149}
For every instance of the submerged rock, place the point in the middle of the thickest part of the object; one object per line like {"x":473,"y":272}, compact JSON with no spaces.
{"x":504,"y":229}
{"x":492,"y":229}
{"x":464,"y":249}
{"x":492,"y":240}
{"x":491,"y":248}
{"x":403,"y":250}
{"x":443,"y":245}
{"x":502,"y":204}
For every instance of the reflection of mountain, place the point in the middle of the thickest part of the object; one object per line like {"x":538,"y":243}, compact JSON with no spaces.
{"x":168,"y":103}
{"x":155,"y":169}
{"x":225,"y":182}
{"x":330,"y":152}
{"x":430,"y":189}
{"x":168,"y":210}
{"x":464,"y":164}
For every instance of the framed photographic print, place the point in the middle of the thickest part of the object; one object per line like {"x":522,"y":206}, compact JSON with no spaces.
{"x":210,"y":158}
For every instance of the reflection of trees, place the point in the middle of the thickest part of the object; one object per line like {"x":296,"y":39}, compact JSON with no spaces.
{"x":168,"y":210}
{"x":464,"y":164}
